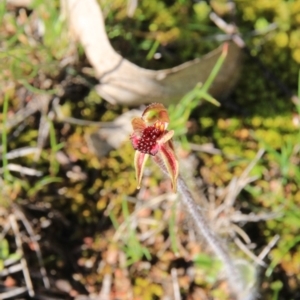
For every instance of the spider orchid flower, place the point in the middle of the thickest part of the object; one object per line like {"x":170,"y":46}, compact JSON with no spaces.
{"x":151,"y":137}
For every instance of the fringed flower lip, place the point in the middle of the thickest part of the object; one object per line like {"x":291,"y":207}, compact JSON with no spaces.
{"x":151,"y":137}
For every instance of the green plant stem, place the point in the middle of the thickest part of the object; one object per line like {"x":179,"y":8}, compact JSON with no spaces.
{"x":4,"y":140}
{"x":217,"y":67}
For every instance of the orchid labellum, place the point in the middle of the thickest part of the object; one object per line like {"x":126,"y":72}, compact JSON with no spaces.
{"x":151,"y":137}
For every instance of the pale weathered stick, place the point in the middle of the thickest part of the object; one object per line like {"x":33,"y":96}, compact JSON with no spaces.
{"x":123,"y":82}
{"x":26,"y":273}
{"x":37,"y":248}
{"x":16,"y":292}
{"x":20,"y":3}
{"x":126,"y":83}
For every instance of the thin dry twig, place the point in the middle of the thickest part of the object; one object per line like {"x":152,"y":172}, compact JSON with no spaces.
{"x":245,"y":249}
{"x":16,"y":292}
{"x":243,"y":180}
{"x":228,"y":28}
{"x":176,"y":288}
{"x":37,"y":248}
{"x":238,"y":217}
{"x":20,"y":3}
{"x":81,"y":122}
{"x":61,"y":118}
{"x":26,"y":273}
{"x":43,"y":134}
{"x":11,"y":260}
{"x":241,"y":233}
{"x":22,"y":170}
{"x":10,"y":270}
{"x":132,"y":218}
{"x":106,"y":287}
{"x":237,"y":184}
{"x":131,"y":7}
{"x":20,"y":152}
{"x":207,"y":148}
{"x":268,"y":248}
{"x":4,"y":230}
{"x":36,"y":104}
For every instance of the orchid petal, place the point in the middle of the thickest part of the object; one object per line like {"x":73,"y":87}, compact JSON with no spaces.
{"x":166,"y":137}
{"x":156,"y":112}
{"x":169,"y":158}
{"x":139,"y":163}
{"x":138,"y":125}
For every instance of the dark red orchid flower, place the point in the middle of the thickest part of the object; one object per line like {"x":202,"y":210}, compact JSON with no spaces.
{"x":151,"y":137}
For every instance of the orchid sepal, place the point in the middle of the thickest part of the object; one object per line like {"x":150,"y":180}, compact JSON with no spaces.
{"x":167,"y":153}
{"x":166,"y":137}
{"x":139,"y":163}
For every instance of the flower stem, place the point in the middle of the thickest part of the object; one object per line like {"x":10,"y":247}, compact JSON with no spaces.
{"x":234,"y":276}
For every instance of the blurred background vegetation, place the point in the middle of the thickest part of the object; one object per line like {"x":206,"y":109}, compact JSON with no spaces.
{"x":91,"y":223}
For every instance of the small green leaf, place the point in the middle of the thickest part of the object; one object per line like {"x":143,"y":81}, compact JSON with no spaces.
{"x":4,"y":249}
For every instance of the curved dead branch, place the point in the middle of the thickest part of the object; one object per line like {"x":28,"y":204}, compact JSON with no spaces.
{"x":123,"y":82}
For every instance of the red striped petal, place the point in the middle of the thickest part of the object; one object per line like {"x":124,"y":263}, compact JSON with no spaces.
{"x":169,"y":158}
{"x":166,"y":137}
{"x":139,"y":163}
